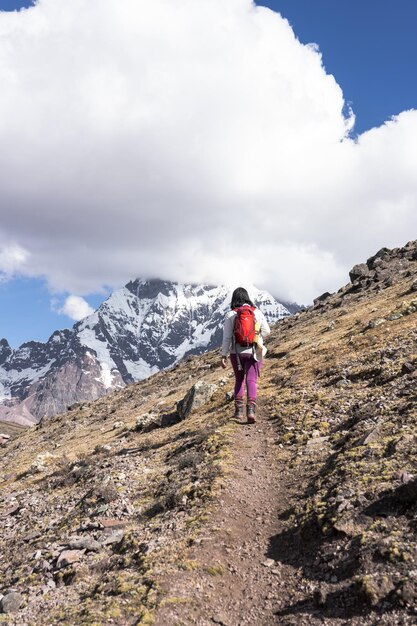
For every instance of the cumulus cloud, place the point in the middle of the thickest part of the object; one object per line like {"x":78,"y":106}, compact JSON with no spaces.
{"x":74,"y":307}
{"x":195,"y":140}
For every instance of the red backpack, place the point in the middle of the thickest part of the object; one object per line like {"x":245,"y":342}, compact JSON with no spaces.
{"x":245,"y":325}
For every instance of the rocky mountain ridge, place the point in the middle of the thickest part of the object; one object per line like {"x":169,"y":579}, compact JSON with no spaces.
{"x":140,"y":329}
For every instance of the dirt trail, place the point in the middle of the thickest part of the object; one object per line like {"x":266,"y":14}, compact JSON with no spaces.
{"x":250,"y":565}
{"x":232,"y":580}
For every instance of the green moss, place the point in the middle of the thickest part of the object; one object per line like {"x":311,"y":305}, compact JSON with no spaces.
{"x":175,"y":600}
{"x":188,"y":565}
{"x":147,"y":618}
{"x":113,"y":612}
{"x":215,"y":570}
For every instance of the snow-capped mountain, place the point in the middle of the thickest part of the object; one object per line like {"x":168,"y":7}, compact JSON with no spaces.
{"x":146,"y":326}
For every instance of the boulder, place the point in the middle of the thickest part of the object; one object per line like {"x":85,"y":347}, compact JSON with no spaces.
{"x":358,"y":272}
{"x":322,"y":298}
{"x":375,"y":260}
{"x":199,"y":394}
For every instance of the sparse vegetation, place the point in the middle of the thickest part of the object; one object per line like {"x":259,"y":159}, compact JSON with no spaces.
{"x":340,"y":391}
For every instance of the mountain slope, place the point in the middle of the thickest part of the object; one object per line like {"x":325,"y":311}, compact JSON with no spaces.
{"x":140,"y":329}
{"x":166,"y":515}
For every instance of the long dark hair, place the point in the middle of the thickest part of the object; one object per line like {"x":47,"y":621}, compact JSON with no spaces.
{"x":240,"y":297}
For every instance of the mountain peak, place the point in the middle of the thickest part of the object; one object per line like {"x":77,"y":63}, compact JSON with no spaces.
{"x":5,"y":350}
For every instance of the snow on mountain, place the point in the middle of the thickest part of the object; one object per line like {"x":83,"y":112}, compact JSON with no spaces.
{"x":146,"y":326}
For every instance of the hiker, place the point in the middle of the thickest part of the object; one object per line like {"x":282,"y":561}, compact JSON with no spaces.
{"x":244,"y":329}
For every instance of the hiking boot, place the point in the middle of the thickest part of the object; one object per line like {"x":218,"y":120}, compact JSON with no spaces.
{"x":238,"y":408}
{"x":251,"y":411}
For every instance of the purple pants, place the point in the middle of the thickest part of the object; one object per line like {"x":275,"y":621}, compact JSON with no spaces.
{"x":250,"y":372}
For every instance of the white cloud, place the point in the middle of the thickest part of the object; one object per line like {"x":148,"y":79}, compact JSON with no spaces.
{"x":74,"y":307}
{"x":191,"y":140}
{"x":12,"y":260}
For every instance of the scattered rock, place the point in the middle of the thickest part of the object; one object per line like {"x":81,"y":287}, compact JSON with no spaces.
{"x":11,"y":510}
{"x":114,"y":537}
{"x":317,"y":442}
{"x":32,"y":536}
{"x":84,"y":543}
{"x":407,"y":368}
{"x":343,"y":382}
{"x":45,"y":566}
{"x":4,"y":439}
{"x":11,"y":602}
{"x":358,"y":272}
{"x":376,"y":588}
{"x":372,"y":435}
{"x":320,"y":597}
{"x":41,"y":462}
{"x":199,"y":394}
{"x":404,"y":477}
{"x":408,"y":308}
{"x":394,"y":316}
{"x":375,"y":323}
{"x":221,"y":620}
{"x":324,"y":296}
{"x":144,"y":421}
{"x":68,"y":557}
{"x":111,"y":524}
{"x":102,"y":448}
{"x":408,"y":592}
{"x":348,"y":525}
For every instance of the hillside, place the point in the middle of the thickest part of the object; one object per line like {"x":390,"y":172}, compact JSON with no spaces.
{"x":130,"y":510}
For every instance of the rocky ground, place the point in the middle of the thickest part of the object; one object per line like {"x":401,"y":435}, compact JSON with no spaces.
{"x":152,"y":506}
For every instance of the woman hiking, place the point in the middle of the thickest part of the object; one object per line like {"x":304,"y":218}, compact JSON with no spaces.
{"x":244,"y":329}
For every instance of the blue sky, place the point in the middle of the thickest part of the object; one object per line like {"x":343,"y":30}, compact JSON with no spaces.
{"x":369,"y":47}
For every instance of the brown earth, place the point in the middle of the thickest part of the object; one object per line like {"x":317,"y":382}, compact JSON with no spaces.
{"x":228,"y":576}
{"x":131,"y":510}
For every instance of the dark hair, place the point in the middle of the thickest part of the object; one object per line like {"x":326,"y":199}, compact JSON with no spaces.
{"x":240,"y":297}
